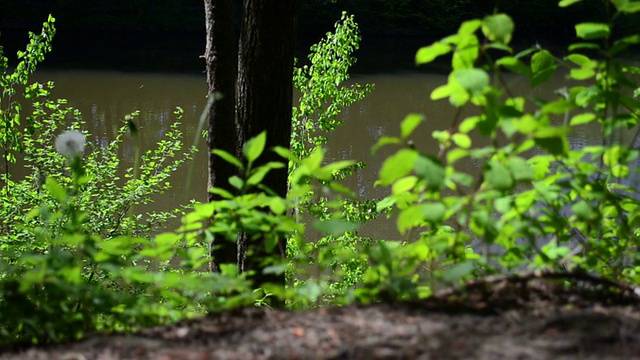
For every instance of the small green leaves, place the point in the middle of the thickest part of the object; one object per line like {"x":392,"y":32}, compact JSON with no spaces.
{"x":498,"y":28}
{"x":587,"y":68}
{"x":253,"y":148}
{"x":592,"y":31}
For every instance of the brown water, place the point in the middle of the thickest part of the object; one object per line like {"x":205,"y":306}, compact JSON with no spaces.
{"x":106,"y":97}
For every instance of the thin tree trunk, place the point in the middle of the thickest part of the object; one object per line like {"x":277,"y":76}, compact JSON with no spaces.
{"x":264,"y":91}
{"x":221,"y":66}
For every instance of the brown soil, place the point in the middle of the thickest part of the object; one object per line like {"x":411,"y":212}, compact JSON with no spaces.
{"x":517,"y":317}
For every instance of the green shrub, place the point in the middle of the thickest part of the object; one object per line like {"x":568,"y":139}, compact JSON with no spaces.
{"x":537,"y":203}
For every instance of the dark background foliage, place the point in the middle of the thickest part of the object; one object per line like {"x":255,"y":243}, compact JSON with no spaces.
{"x":168,"y":35}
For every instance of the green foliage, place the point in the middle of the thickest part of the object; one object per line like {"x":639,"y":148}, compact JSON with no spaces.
{"x":324,"y":94}
{"x":72,"y":255}
{"x":12,"y":129}
{"x":536,"y":202}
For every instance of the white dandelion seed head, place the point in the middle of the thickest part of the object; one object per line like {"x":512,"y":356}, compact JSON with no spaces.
{"x":70,"y":144}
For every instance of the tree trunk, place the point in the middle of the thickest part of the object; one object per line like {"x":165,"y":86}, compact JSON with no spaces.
{"x":221,"y":66}
{"x":264,"y":91}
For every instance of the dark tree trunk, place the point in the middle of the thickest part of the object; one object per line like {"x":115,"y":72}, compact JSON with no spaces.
{"x":264,"y":91}
{"x":221,"y":65}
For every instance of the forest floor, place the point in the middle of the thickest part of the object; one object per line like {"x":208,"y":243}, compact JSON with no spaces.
{"x":531,"y":316}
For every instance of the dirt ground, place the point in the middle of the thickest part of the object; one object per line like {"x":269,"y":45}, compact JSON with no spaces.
{"x":531,"y":316}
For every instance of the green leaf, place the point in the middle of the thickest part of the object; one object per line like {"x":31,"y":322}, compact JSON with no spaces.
{"x":626,"y":6}
{"x":498,"y":176}
{"x":565,"y":3}
{"x":228,"y":158}
{"x":467,"y":51}
{"x":326,"y":171}
{"x":253,"y":148}
{"x":469,"y":124}
{"x":397,"y":166}
{"x":385,"y":140}
{"x":257,"y":175}
{"x":278,"y":205}
{"x":584,"y":211}
{"x":592,"y":31}
{"x":475,"y":81}
{"x":409,"y":124}
{"x":498,"y":28}
{"x":335,"y":226}
{"x":457,"y":271}
{"x":236,"y":182}
{"x":553,"y":140}
{"x":462,"y":140}
{"x":431,"y":170}
{"x":581,"y":119}
{"x":385,"y":203}
{"x":404,"y":184}
{"x":542,"y":67}
{"x":56,"y":190}
{"x":434,"y":212}
{"x":515,"y":65}
{"x":429,"y":53}
{"x":409,"y":218}
{"x":520,"y":169}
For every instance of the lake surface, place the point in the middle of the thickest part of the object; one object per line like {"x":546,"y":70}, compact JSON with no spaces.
{"x":106,"y":97}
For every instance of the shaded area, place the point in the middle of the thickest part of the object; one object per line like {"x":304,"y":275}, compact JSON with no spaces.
{"x":168,"y":35}
{"x":532,"y":316}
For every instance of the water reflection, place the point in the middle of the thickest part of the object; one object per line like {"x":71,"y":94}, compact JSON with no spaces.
{"x":106,"y":97}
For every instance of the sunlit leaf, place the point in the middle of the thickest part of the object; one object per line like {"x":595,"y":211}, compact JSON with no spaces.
{"x":592,"y":31}
{"x":462,"y":140}
{"x":581,"y":119}
{"x":408,"y":125}
{"x":404,"y":184}
{"x":396,"y":166}
{"x":565,"y":3}
{"x":429,"y":53}
{"x":253,"y":148}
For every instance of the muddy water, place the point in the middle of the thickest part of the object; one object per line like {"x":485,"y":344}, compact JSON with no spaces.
{"x":106,"y":97}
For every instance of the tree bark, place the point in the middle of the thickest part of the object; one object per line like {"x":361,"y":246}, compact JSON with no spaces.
{"x":264,"y":92}
{"x":221,"y":67}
